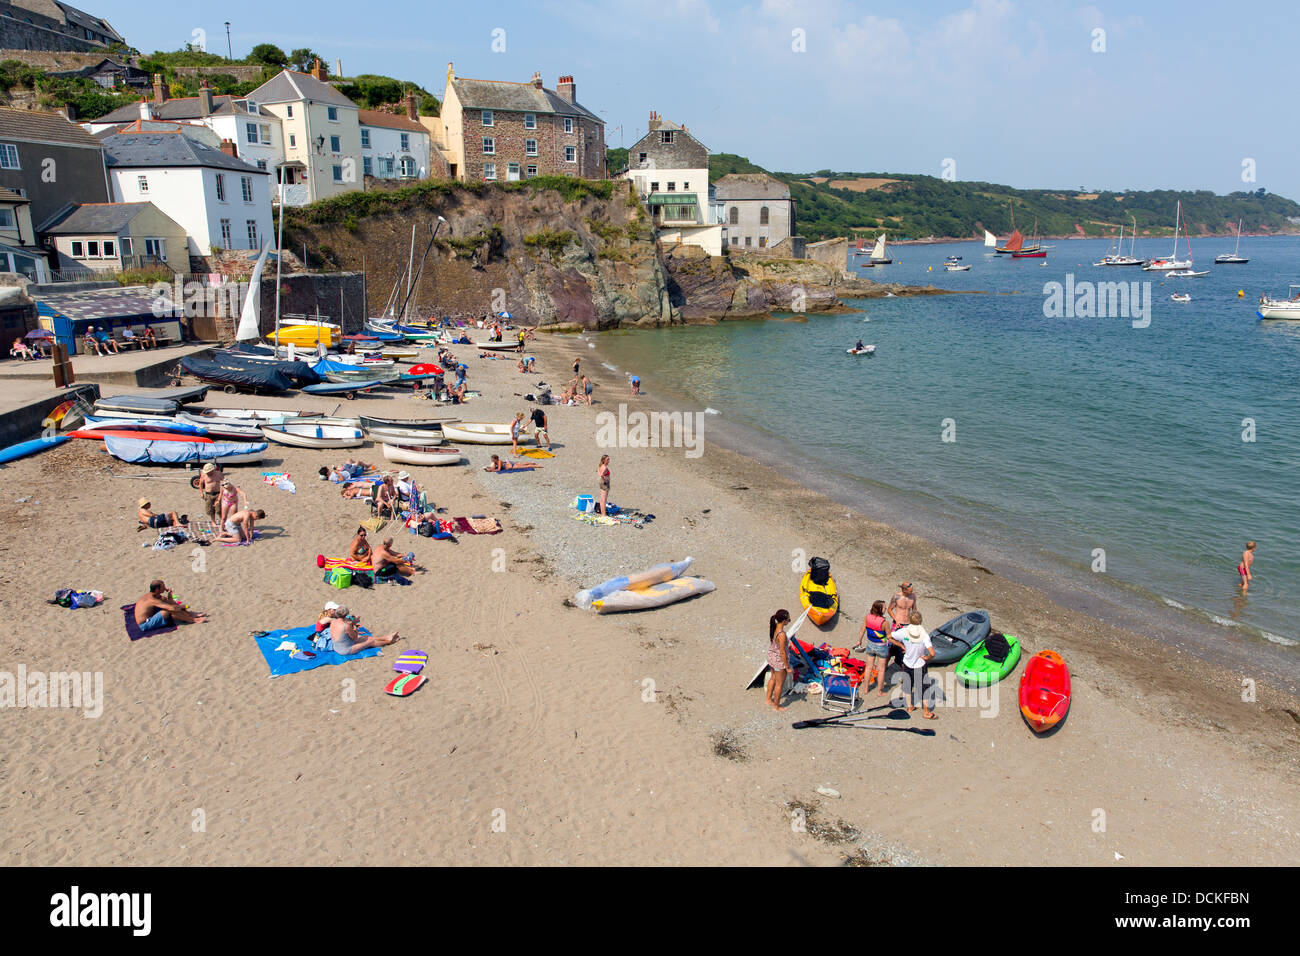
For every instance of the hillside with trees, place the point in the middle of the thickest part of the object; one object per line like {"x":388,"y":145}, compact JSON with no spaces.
{"x":831,"y":204}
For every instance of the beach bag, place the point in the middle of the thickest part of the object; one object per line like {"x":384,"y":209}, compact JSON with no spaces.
{"x":339,"y":578}
{"x":819,"y":569}
{"x":427,"y":529}
{"x":63,"y":597}
{"x":362,"y":579}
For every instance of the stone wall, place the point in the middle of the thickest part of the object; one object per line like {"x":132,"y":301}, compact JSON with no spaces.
{"x":18,"y":35}
{"x":831,"y":252}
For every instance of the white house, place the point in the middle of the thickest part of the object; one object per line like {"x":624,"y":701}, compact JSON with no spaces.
{"x":670,"y":169}
{"x":220,"y":201}
{"x":392,"y":146}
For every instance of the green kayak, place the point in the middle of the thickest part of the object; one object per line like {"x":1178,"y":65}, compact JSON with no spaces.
{"x":976,"y":670}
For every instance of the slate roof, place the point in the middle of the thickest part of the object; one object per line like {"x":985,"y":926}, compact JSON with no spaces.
{"x":510,"y":97}
{"x":181,"y":108}
{"x":736,"y":186}
{"x":44,"y":127}
{"x":288,"y":86}
{"x":125,"y":302}
{"x":95,"y":218}
{"x":389,"y":120}
{"x":152,"y":150}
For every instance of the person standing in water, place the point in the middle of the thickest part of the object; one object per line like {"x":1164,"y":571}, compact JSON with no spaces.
{"x":1247,"y":559}
{"x":778,"y":657}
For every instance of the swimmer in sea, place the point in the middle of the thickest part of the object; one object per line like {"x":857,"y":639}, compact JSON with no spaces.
{"x":1247,"y":559}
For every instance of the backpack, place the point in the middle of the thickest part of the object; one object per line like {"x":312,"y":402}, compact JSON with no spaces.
{"x":362,"y":579}
{"x":819,"y":569}
{"x":427,"y":529}
{"x":339,"y":578}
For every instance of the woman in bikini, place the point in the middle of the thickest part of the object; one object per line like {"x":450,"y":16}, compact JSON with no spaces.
{"x":499,"y":465}
{"x":1247,"y":559}
{"x":602,"y":474}
{"x":359,"y":550}
{"x":778,"y":657}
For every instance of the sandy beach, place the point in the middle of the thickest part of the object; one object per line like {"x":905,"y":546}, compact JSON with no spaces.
{"x":550,"y":735}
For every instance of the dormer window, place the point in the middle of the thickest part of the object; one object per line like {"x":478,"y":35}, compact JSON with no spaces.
{"x":666,"y":135}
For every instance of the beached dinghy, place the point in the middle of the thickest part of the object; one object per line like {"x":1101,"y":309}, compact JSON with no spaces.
{"x":313,"y":435}
{"x":407,"y":436}
{"x":139,"y":452}
{"x":131,"y":406}
{"x":348,"y":390}
{"x":25,"y":448}
{"x":479,"y":433}
{"x":957,"y":638}
{"x":422,"y":424}
{"x":421,"y":454}
{"x":272,"y":416}
{"x":499,"y":346}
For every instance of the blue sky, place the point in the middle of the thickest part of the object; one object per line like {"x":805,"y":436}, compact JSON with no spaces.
{"x":1011,"y":91}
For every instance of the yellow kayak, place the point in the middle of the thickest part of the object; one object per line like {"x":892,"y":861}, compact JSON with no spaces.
{"x":822,"y":600}
{"x":305,"y":335}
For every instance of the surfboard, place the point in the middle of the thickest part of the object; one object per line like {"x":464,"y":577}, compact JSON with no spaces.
{"x":405,"y":685}
{"x":411,"y":662}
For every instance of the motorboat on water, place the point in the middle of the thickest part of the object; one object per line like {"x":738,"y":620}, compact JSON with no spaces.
{"x":1181,"y":297}
{"x":1186,"y":274}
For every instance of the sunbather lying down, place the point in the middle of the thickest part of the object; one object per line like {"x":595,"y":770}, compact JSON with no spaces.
{"x":148,"y":519}
{"x":499,"y":465}
{"x":349,"y":469}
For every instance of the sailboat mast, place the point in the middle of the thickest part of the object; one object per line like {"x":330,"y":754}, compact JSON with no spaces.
{"x":279,"y":256}
{"x":1237,"y":247}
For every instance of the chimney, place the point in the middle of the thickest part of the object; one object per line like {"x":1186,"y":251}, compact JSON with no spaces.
{"x":69,"y":113}
{"x":537,"y":79}
{"x":411,"y":112}
{"x":145,"y":113}
{"x":567,"y":89}
{"x":318,"y":70}
{"x":205,"y":97}
{"x":654,"y":121}
{"x":228,"y":147}
{"x":159,"y":90}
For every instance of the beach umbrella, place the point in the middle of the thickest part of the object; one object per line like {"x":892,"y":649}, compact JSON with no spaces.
{"x":39,"y":334}
{"x":504,"y":315}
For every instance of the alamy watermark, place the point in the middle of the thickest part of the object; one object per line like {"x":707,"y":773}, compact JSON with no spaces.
{"x":651,"y":430}
{"x":1098,"y":300}
{"x":44,"y":689}
{"x":198,"y":298}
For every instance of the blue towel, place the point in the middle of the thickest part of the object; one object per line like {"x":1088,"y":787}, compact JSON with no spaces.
{"x":281,"y":662}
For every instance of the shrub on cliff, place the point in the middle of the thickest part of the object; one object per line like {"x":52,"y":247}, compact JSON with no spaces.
{"x":551,"y":241}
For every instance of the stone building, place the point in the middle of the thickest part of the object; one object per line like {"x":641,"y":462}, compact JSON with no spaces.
{"x":758,"y":210}
{"x":499,"y":130}
{"x":670,"y":169}
{"x":52,"y":25}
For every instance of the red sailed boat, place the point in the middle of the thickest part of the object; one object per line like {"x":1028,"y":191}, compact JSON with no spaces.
{"x":1045,"y":691}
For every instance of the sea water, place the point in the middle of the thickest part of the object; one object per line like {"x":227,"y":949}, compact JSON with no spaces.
{"x":1121,"y":464}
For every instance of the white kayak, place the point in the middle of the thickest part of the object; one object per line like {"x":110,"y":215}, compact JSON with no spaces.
{"x":656,"y":595}
{"x":313,"y":435}
{"x":480,"y":433}
{"x":421,"y":454}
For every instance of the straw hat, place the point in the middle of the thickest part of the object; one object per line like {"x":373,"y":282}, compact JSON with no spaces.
{"x":209,"y":467}
{"x":142,"y":503}
{"x":404,"y":476}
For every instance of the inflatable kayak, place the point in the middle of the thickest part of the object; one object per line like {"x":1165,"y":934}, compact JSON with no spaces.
{"x":23,"y":449}
{"x":1045,"y":691}
{"x":817,"y":592}
{"x":979,"y":669}
{"x":629,"y":582}
{"x":656,"y":595}
{"x":960,"y":636}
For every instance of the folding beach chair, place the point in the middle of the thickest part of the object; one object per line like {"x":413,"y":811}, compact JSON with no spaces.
{"x":839,"y":693}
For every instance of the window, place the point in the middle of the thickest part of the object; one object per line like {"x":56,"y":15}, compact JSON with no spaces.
{"x":672,"y":187}
{"x":686,"y":186}
{"x":763,"y":216}
{"x":78,"y":251}
{"x":156,"y":248}
{"x":250,"y":132}
{"x":654,"y":187}
{"x":333,"y":113}
{"x":338,"y":173}
{"x":266,"y":135}
{"x":289,"y":114}
{"x":252,"y":107}
{"x":125,"y":245}
{"x":367,"y":166}
{"x":641,"y":157}
{"x":246,"y":186}
{"x":408,"y":166}
{"x":142,"y":183}
{"x":530,"y":147}
{"x":9,"y":156}
{"x":252,"y":234}
{"x":293,"y":140}
{"x":225,"y":234}
{"x":735,"y":241}
{"x":666,"y":135}
{"x":489,"y":146}
{"x":733,"y":216}
{"x":512,"y":172}
{"x":488,"y":118}
{"x":109,"y":247}
{"x":530,"y":171}
{"x":335,"y":146}
{"x":489,"y":170}
{"x":261,"y":164}
{"x":568,"y":124}
{"x":749,"y":241}
{"x":530,"y":121}
{"x":406,"y":142}
{"x":7,"y":219}
{"x":221,"y":187}
{"x":570,"y":154}
{"x":365,"y":138}
{"x":385,"y":166}
{"x":92,"y":250}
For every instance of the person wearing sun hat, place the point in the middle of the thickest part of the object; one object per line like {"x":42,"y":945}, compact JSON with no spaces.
{"x":210,"y":487}
{"x":150,"y":520}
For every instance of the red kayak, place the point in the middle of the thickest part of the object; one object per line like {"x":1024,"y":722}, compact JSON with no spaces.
{"x":1045,"y":691}
{"x":101,"y":434}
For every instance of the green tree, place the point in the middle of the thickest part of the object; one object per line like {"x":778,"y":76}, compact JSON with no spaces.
{"x":268,"y":53}
{"x":302,"y":58}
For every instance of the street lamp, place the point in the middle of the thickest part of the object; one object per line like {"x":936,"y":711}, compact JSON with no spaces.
{"x":229,"y":53}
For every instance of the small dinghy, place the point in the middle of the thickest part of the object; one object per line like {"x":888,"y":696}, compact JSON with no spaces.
{"x":422,"y":424}
{"x":129,"y":406}
{"x":348,"y":390}
{"x":421,"y":454}
{"x":408,"y":436}
{"x":479,"y":433}
{"x":498,"y":346}
{"x":313,"y":435}
{"x":1181,"y":297}
{"x":140,"y":452}
{"x":655,"y":595}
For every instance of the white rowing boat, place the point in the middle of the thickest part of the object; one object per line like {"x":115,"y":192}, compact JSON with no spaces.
{"x":479,"y":433}
{"x":423,"y":437}
{"x":313,"y":435}
{"x":499,"y":346}
{"x":421,"y":454}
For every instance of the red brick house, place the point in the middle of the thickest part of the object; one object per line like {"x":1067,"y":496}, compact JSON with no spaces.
{"x":497,"y":130}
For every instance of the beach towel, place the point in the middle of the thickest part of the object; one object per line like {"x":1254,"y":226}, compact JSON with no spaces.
{"x":514,"y":468}
{"x":367,"y":479}
{"x":281,"y":480}
{"x":297,"y":649}
{"x":537,"y":453}
{"x":374,"y":525}
{"x":133,"y":629}
{"x":331,"y":563}
{"x":636,"y":521}
{"x":477,"y":525}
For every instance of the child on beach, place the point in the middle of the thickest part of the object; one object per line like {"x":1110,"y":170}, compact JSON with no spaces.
{"x":1247,"y":559}
{"x":516,"y":431}
{"x":919,"y":651}
{"x":778,"y":657}
{"x":636,"y":385}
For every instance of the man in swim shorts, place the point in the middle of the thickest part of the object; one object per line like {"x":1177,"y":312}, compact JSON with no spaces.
{"x":159,"y":609}
{"x":902,"y":604}
{"x":210,"y":487}
{"x":150,"y":520}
